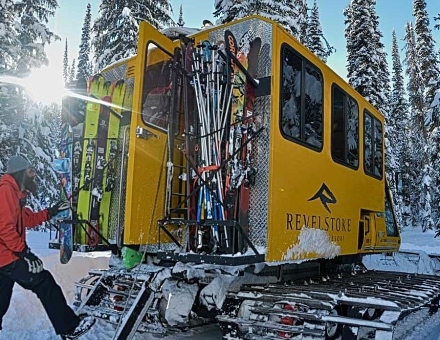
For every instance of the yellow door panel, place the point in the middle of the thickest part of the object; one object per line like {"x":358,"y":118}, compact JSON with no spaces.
{"x":148,"y":138}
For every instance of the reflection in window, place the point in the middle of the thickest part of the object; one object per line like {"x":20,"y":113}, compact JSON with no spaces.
{"x":156,"y":92}
{"x":291,"y":116}
{"x":390,"y":222}
{"x":368,"y":144}
{"x":373,"y":146}
{"x":378,"y":148}
{"x":345,"y":128}
{"x":313,"y":106}
{"x":302,"y":99}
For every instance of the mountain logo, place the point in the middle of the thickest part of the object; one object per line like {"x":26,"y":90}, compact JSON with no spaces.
{"x":326,"y":197}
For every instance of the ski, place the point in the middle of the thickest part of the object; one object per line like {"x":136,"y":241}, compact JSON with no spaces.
{"x":99,"y":166}
{"x":117,"y":94}
{"x":96,"y":90}
{"x":65,"y":229}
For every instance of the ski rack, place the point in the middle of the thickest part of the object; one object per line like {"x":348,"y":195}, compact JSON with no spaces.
{"x":235,"y":239}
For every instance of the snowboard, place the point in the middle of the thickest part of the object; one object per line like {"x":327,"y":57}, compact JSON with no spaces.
{"x":235,"y":135}
{"x":64,"y":168}
{"x":96,"y":91}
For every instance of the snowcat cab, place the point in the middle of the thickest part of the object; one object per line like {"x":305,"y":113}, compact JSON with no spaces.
{"x":244,"y":162}
{"x":314,"y":169}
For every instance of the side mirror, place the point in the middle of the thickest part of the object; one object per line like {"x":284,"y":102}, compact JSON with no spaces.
{"x":62,"y":165}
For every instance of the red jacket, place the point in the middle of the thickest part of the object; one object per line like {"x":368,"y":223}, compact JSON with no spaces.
{"x":14,"y":219}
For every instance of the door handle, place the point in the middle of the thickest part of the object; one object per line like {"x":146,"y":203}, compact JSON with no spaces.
{"x":144,"y":133}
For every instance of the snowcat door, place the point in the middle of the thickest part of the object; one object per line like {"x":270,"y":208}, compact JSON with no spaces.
{"x":388,"y":237}
{"x":148,"y":138}
{"x":369,"y":227}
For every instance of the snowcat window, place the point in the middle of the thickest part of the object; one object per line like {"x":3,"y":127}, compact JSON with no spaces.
{"x":345,"y":129}
{"x":156,"y":94}
{"x":390,"y":221}
{"x":301,"y":100}
{"x":373,"y":149}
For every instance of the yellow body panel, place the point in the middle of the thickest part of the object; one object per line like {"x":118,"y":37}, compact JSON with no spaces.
{"x":297,"y":174}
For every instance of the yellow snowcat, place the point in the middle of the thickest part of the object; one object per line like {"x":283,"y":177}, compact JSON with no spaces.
{"x":250,"y":177}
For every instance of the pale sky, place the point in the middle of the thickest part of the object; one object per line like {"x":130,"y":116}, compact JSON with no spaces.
{"x":392,"y":14}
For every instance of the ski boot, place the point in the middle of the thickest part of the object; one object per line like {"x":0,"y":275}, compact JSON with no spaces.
{"x":86,"y":322}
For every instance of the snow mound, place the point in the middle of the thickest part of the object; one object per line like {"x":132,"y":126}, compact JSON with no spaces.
{"x":315,"y":242}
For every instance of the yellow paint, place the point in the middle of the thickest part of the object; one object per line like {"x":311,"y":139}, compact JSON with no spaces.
{"x":296,"y":172}
{"x":147,"y":157}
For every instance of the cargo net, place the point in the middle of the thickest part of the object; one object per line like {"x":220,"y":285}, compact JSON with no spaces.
{"x":222,"y":128}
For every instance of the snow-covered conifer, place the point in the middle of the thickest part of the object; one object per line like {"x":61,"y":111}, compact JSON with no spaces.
{"x":303,"y":21}
{"x":34,"y":34}
{"x":9,"y":43}
{"x":72,"y":71}
{"x":180,"y":22}
{"x":367,"y":68}
{"x":420,"y":164}
{"x":316,"y":41}
{"x":84,"y":65}
{"x":284,"y":12}
{"x":66,"y":64}
{"x":116,"y":29}
{"x":425,"y":46}
{"x":397,"y":124}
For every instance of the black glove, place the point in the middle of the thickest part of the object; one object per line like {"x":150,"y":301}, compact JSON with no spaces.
{"x":57,"y":208}
{"x":34,"y":263}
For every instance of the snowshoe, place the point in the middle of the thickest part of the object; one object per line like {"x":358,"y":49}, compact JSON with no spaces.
{"x":86,"y":322}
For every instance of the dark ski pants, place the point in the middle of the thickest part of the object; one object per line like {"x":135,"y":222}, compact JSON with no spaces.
{"x":43,"y":284}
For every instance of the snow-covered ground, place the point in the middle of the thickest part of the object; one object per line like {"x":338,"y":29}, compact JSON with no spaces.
{"x":26,"y":319}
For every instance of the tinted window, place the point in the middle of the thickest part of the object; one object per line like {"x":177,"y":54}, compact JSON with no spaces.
{"x":302,"y":100}
{"x":390,"y":222}
{"x":156,"y":92}
{"x":373,"y":146}
{"x":378,"y":152}
{"x":368,"y":143}
{"x":345,"y":128}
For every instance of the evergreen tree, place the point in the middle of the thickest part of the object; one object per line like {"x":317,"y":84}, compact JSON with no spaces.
{"x":84,"y":65}
{"x":116,"y":29}
{"x":316,"y":41}
{"x":420,"y":178}
{"x":397,"y":123}
{"x":66,"y":64}
{"x":180,"y":22}
{"x":9,"y":43}
{"x":367,"y":67}
{"x":427,"y":56}
{"x":284,"y":12}
{"x":33,"y":33}
{"x":72,"y":72}
{"x":437,"y":18}
{"x":303,"y":21}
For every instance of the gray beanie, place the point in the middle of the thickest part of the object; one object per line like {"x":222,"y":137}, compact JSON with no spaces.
{"x":17,"y":163}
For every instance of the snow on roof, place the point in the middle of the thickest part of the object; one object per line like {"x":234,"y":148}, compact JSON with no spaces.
{"x":175,"y":32}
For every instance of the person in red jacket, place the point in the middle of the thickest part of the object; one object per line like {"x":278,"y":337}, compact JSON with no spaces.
{"x":17,"y":262}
